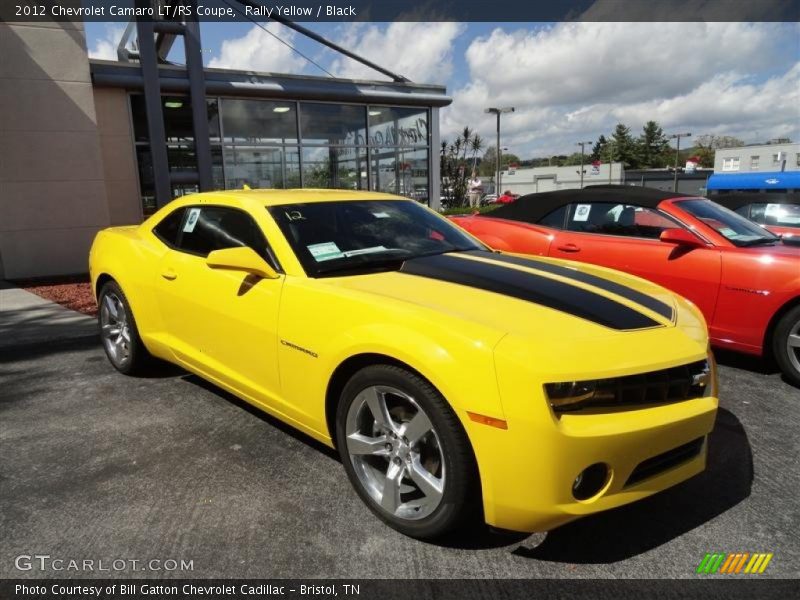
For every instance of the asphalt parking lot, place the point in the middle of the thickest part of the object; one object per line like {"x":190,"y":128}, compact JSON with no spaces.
{"x":97,"y":465}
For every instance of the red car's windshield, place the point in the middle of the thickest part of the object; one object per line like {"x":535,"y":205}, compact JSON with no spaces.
{"x":727,"y":223}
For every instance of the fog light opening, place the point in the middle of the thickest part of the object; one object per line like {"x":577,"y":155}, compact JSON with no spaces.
{"x":590,"y":481}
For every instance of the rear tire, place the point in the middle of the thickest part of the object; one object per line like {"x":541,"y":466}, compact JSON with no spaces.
{"x":118,"y":331}
{"x":412,"y":464}
{"x":786,"y":345}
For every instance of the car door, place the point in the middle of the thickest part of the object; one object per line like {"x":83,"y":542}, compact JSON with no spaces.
{"x":221,"y":322}
{"x":626,"y":238}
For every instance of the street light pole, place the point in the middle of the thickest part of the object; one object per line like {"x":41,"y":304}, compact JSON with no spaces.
{"x":677,"y":137}
{"x":582,"y":145}
{"x":498,"y":112}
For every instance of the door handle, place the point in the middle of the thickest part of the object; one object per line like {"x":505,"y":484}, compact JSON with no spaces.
{"x":569,"y":248}
{"x":169,"y":274}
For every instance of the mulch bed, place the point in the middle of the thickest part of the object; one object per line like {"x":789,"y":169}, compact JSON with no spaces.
{"x":74,"y":293}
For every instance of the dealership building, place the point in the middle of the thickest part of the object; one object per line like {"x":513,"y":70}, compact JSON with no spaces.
{"x":85,"y":144}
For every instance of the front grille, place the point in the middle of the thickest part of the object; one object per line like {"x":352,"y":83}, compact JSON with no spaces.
{"x":667,"y":385}
{"x":655,"y":387}
{"x":663,"y":462}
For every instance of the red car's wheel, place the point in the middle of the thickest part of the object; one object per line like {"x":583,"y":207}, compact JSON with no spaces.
{"x":786,"y":345}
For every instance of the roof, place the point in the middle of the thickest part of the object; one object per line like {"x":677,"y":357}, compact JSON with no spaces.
{"x":276,"y":197}
{"x":532,"y":207}
{"x":738,"y":199}
{"x":775,"y":180}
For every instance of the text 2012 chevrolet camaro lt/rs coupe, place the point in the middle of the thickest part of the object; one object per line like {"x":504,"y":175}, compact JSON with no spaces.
{"x":451,"y":379}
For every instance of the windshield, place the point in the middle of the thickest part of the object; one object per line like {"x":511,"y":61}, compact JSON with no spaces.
{"x":351,"y":237}
{"x":727,"y":223}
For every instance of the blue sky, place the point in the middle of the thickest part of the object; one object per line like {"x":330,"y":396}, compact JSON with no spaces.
{"x":567,"y":81}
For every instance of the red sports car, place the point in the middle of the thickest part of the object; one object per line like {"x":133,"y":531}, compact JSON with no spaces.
{"x":778,"y":212}
{"x":743,"y":278}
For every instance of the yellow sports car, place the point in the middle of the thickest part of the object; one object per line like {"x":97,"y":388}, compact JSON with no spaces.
{"x":453,"y":380}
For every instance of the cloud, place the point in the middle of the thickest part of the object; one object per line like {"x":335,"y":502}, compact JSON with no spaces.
{"x":575,"y":81}
{"x":423,"y":52}
{"x":105,"y":48}
{"x":257,"y":50}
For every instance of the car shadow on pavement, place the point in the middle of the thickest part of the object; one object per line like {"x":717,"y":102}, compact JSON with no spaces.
{"x":636,"y":528}
{"x":748,"y":362}
{"x":266,"y":417}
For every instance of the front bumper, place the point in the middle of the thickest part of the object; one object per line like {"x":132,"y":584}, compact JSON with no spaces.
{"x":528,"y":470}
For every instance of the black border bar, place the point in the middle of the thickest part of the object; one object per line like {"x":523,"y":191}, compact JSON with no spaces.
{"x":426,"y":10}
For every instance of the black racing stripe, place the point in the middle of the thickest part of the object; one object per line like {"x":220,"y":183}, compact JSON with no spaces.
{"x":530,"y":287}
{"x":654,"y":304}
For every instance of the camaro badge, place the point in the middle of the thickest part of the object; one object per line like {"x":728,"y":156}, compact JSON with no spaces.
{"x":300,"y":348}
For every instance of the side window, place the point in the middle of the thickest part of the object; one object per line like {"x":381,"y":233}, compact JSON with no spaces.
{"x":787,"y":215}
{"x":209,"y":228}
{"x":555,"y":219}
{"x":169,"y":227}
{"x":618,"y":219}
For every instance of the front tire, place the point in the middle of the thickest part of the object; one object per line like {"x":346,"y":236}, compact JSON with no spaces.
{"x":786,"y":345}
{"x":118,"y":331}
{"x":405,"y":451}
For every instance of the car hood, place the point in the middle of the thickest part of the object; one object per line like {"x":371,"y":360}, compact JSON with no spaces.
{"x":524,"y":295}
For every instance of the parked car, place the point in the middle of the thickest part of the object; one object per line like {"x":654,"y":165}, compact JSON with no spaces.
{"x":777,"y":212}
{"x":742,"y":277}
{"x":488,"y":199}
{"x":449,"y":378}
{"x":507,"y":198}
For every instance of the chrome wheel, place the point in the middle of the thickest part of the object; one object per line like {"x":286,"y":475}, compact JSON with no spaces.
{"x":793,"y":346}
{"x":395,"y":452}
{"x":114,"y":329}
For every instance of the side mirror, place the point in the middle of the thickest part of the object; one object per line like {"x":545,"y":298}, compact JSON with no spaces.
{"x":241,"y":259}
{"x":681,"y":237}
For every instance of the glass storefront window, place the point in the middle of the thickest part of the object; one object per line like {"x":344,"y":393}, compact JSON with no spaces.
{"x":259,"y":121}
{"x":177,"y":112}
{"x":397,"y":126}
{"x":262,"y":145}
{"x":333,"y":124}
{"x":399,"y":171}
{"x":262,"y":167}
{"x":331,"y":167}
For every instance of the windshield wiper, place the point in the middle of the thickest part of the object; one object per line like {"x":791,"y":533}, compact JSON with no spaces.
{"x":759,"y":241}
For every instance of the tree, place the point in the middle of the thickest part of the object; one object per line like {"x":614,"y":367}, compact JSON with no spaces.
{"x":652,"y":146}
{"x":455,"y":168}
{"x":623,"y":148}
{"x":705,"y":146}
{"x":600,"y":148}
{"x":489,"y":161}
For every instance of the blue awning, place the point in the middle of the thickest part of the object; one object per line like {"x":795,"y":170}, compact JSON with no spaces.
{"x":777,"y":180}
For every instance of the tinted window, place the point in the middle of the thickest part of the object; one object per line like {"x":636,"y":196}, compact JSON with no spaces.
{"x":555,"y":219}
{"x":210,"y":228}
{"x":787,"y":215}
{"x":167,"y":230}
{"x":618,"y":219}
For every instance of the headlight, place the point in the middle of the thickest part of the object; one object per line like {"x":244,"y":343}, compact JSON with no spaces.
{"x":675,"y":384}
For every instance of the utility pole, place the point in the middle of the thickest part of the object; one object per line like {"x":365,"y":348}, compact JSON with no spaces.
{"x":677,"y":137}
{"x":498,"y":112}
{"x":582,"y":145}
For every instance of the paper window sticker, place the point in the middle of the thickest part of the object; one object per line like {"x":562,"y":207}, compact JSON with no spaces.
{"x":325,"y":251}
{"x":191,"y":220}
{"x":380,"y":215}
{"x":582,"y":212}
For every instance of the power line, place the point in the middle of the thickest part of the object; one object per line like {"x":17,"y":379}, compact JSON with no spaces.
{"x":287,"y":44}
